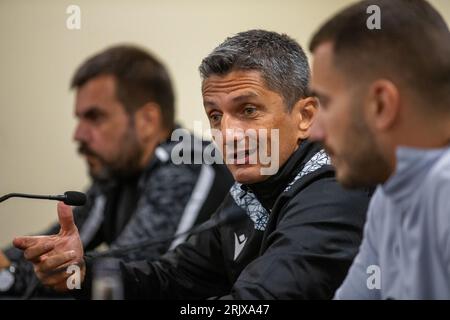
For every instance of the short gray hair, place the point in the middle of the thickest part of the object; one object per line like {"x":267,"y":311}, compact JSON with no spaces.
{"x":279,"y":58}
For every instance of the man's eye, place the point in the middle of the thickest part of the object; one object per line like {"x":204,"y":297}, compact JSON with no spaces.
{"x":215,"y":117}
{"x":249,"y":111}
{"x":95,"y":117}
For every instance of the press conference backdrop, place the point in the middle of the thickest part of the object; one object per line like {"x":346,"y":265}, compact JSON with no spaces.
{"x":39,"y":55}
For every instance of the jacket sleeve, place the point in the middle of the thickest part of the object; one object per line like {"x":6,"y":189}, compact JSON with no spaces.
{"x":309,"y":252}
{"x":194,"y":270}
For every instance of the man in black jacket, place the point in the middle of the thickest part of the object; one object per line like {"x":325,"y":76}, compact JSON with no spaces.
{"x":301,"y":230}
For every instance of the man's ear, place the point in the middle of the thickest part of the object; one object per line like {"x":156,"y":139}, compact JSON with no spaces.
{"x":383,"y":105}
{"x":148,"y":121}
{"x":304,"y":111}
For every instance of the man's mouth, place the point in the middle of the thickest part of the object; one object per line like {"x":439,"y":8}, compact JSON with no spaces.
{"x":90,"y":158}
{"x":243,"y":157}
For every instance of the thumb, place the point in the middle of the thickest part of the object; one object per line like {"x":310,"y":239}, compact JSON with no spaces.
{"x":65,"y":217}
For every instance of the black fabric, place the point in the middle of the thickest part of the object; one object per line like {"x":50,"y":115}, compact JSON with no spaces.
{"x":122,"y":198}
{"x":311,"y":238}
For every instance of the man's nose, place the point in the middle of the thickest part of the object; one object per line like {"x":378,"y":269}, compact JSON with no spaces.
{"x":81,"y":133}
{"x":232,"y":129}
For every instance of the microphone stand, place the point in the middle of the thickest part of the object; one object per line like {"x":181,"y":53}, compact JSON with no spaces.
{"x":29,"y":196}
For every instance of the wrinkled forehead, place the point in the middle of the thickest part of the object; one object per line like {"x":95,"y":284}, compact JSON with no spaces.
{"x":232,"y":79}
{"x":234,"y":87}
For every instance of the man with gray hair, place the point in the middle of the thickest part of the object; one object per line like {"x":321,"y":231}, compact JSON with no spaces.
{"x":300,"y":230}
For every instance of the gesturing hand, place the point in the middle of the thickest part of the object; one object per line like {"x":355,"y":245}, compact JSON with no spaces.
{"x":51,"y":255}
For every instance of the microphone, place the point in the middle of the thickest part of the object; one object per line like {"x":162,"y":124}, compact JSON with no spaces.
{"x":71,"y":198}
{"x":228,"y":216}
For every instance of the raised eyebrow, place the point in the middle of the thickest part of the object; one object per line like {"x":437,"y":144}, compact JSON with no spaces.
{"x":209,"y":104}
{"x":237,"y":99}
{"x":244,"y":96}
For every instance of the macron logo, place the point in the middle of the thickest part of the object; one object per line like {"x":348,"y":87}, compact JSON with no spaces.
{"x":239,"y":243}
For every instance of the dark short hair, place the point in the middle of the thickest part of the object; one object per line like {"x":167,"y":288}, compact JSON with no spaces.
{"x":280,"y":60}
{"x":140,"y":77}
{"x":412,"y":46}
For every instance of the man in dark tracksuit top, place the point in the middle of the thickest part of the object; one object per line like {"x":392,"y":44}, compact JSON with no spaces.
{"x":301,"y":230}
{"x":124,"y":212}
{"x":137,"y":192}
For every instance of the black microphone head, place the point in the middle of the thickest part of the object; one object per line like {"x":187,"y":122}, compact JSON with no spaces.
{"x":74,"y":198}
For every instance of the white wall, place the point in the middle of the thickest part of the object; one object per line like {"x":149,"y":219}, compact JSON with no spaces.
{"x":39,"y":54}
